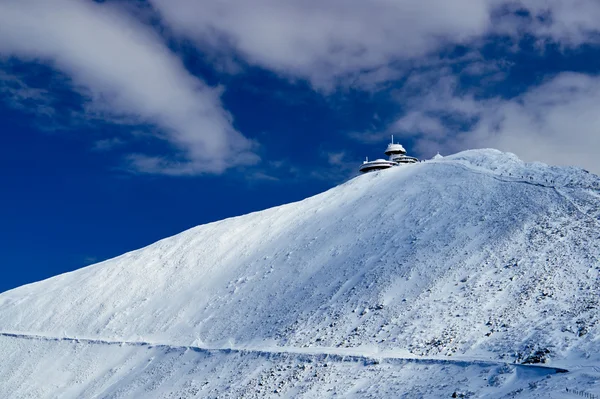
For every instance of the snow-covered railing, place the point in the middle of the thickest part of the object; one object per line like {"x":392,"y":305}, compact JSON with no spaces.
{"x":583,"y":394}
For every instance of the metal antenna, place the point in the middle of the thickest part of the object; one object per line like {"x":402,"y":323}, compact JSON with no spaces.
{"x":392,"y":139}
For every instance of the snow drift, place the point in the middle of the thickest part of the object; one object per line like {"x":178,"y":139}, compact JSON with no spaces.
{"x":476,"y":257}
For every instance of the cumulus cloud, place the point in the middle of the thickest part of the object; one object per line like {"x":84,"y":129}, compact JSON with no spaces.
{"x":126,"y":70}
{"x":556,"y":122}
{"x":343,"y":41}
{"x":326,"y":41}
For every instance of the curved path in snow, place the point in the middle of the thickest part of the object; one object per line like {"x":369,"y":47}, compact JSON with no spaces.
{"x":354,"y":355}
{"x":514,"y":179}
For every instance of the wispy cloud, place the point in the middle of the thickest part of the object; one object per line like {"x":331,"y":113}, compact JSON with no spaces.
{"x":340,"y":167}
{"x":16,"y":93}
{"x":108,"y":144}
{"x":126,"y":70}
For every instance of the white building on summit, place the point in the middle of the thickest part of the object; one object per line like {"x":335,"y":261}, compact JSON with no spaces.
{"x":397,"y":156}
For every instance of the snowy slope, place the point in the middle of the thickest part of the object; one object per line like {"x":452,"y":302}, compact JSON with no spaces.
{"x":476,"y":256}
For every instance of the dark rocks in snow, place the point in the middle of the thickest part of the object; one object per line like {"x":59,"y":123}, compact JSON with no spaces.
{"x":539,"y":356}
{"x":457,"y":394}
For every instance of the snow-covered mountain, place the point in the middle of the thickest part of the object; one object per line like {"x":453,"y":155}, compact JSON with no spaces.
{"x":424,"y":280}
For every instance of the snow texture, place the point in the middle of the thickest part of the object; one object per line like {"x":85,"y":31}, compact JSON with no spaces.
{"x":459,"y":276}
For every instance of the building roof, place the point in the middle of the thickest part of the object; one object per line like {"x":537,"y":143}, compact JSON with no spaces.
{"x":395,"y":149}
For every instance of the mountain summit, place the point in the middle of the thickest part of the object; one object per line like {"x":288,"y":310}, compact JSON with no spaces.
{"x":460,"y":275}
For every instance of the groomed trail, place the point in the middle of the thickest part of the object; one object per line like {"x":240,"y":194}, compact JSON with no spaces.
{"x":316,"y":353}
{"x":64,"y":367}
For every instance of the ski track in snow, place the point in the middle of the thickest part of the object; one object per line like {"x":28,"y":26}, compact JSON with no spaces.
{"x":329,"y":354}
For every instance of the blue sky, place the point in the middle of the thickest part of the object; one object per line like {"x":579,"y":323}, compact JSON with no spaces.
{"x":124,"y":122}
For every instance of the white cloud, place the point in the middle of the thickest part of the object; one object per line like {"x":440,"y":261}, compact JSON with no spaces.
{"x":369,"y":42}
{"x":416,"y":122}
{"x":557,"y":122}
{"x":324,"y":41}
{"x":569,"y":23}
{"x":360,"y":41}
{"x":127,"y":70}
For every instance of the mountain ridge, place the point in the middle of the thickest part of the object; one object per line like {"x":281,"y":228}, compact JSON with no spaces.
{"x":476,"y":255}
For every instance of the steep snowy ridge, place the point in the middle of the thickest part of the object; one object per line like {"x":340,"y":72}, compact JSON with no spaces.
{"x":473,"y":256}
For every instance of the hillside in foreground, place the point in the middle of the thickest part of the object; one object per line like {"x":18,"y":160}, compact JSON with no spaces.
{"x":450,"y":276}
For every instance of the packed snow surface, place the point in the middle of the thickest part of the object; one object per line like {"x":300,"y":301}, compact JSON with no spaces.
{"x":446,"y":277}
